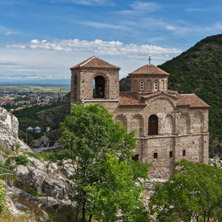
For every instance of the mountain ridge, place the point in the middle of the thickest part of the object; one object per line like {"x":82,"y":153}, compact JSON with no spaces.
{"x":199,"y":70}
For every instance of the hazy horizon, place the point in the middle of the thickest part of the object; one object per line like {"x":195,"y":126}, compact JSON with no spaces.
{"x":37,"y":82}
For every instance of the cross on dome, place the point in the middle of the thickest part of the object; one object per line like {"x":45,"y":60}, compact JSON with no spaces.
{"x":149,"y":60}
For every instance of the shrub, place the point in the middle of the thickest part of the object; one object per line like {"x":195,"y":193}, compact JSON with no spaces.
{"x":2,"y":198}
{"x":17,"y":146}
{"x":20,"y":160}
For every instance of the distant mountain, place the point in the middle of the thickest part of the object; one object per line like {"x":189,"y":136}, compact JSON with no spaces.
{"x":198,"y":70}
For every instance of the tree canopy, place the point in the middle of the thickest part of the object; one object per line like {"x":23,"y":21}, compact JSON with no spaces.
{"x":193,"y":191}
{"x":102,"y":152}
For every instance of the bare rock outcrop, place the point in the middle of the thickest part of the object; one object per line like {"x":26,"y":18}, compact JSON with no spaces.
{"x":47,"y":178}
{"x":9,"y":126}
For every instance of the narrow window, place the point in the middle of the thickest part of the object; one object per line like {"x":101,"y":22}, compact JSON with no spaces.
{"x":155,"y":155}
{"x":156,"y":86}
{"x":171,"y":154}
{"x":136,"y":157}
{"x":184,"y":152}
{"x":142,"y":86}
{"x":153,"y":125}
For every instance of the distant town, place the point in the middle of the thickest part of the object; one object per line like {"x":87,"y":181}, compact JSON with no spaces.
{"x":15,"y":100}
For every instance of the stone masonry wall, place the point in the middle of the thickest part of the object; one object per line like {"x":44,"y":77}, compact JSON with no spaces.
{"x":184,"y":132}
{"x":148,"y":83}
{"x":82,"y":83}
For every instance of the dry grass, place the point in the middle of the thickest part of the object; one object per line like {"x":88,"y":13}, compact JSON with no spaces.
{"x":6,"y":216}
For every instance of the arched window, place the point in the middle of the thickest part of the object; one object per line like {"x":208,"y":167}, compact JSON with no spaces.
{"x":99,"y":84}
{"x":141,"y":85}
{"x":122,"y":119}
{"x":156,"y":86}
{"x":153,"y":125}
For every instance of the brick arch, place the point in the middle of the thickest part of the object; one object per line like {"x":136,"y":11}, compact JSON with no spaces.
{"x":198,"y":122}
{"x":122,"y":119}
{"x":168,"y":126}
{"x":137,"y":124}
{"x":106,"y":83}
{"x":164,"y":98}
{"x":158,"y":85}
{"x":184,"y":123}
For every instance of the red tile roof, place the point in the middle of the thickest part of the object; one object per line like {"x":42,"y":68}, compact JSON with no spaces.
{"x":150,"y":70}
{"x":95,"y":62}
{"x":129,"y":99}
{"x":187,"y":100}
{"x":191,"y":100}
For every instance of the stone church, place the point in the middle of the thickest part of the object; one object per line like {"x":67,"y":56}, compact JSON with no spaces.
{"x":169,"y":126}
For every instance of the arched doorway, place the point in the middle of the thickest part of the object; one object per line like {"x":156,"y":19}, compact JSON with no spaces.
{"x":153,"y":125}
{"x":99,"y":84}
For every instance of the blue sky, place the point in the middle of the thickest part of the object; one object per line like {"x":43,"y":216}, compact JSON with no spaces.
{"x":41,"y":39}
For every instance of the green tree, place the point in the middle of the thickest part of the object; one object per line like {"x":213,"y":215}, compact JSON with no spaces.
{"x":91,"y":134}
{"x":120,"y":191}
{"x":193,"y":191}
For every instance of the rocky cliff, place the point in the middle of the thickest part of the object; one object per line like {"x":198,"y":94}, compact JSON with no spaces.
{"x":35,"y":181}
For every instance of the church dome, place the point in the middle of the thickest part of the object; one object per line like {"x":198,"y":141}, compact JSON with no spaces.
{"x":149,"y":70}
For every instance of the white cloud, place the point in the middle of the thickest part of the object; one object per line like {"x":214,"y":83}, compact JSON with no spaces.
{"x":100,"y":47}
{"x":86,"y":2}
{"x":52,"y":59}
{"x":151,"y":6}
{"x":139,"y":7}
{"x":8,"y":33}
{"x":171,"y":28}
{"x":102,"y":25}
{"x":35,"y":41}
{"x":197,"y":9}
{"x":188,"y":28}
{"x":89,"y":2}
{"x":216,"y":27}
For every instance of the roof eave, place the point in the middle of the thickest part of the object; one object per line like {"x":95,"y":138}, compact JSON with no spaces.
{"x":132,"y":106}
{"x":150,"y":74}
{"x":115,"y":68}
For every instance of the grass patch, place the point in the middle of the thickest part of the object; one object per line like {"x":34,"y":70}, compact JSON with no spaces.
{"x":55,"y":156}
{"x":52,"y":156}
{"x":35,"y":155}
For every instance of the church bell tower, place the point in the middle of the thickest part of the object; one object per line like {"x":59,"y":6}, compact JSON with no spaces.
{"x":94,"y":80}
